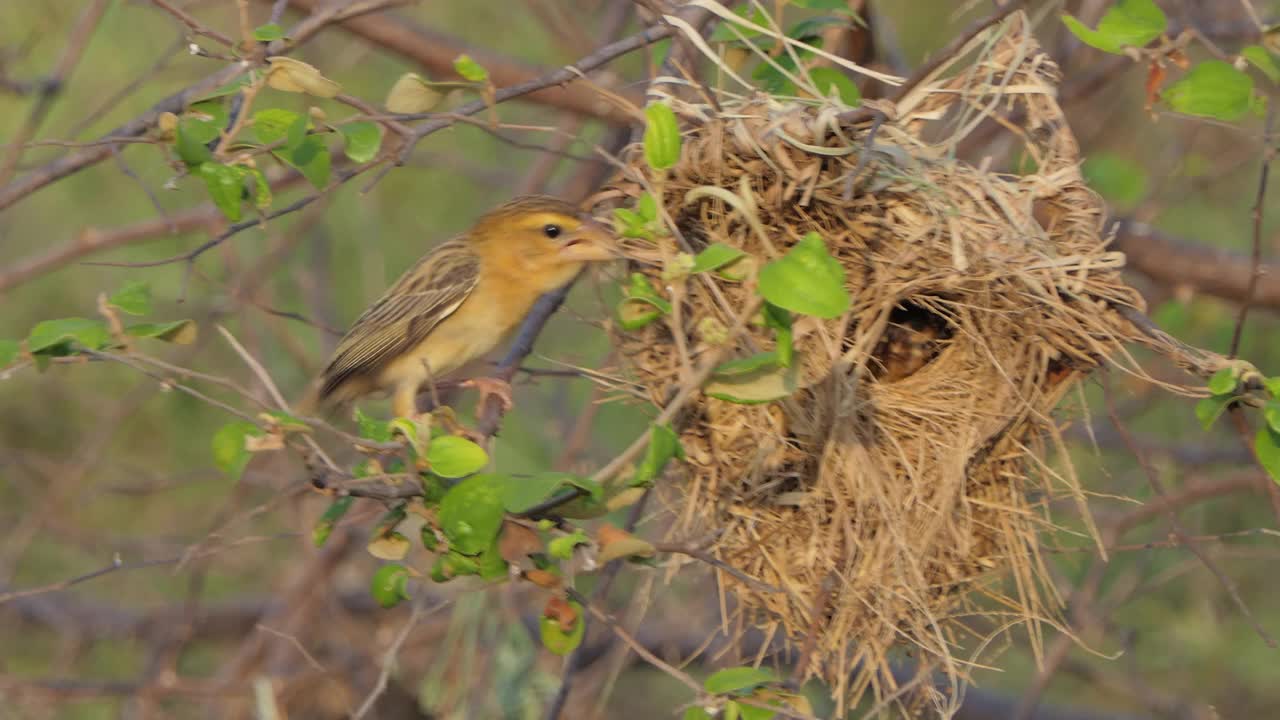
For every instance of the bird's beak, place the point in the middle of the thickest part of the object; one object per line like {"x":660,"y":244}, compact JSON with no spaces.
{"x":591,"y":242}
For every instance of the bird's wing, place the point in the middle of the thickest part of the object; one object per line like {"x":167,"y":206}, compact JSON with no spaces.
{"x":406,"y":314}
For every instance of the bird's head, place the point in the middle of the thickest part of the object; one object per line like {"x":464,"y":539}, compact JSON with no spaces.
{"x":543,"y":235}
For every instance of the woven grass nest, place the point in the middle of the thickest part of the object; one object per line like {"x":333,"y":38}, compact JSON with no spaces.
{"x":899,"y":498}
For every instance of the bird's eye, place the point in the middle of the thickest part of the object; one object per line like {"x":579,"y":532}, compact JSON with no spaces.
{"x":551,"y":231}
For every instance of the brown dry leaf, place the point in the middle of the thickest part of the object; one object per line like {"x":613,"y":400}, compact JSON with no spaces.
{"x":543,"y":578}
{"x":615,"y":544}
{"x":518,"y":542}
{"x":392,"y":546}
{"x":562,"y":612}
{"x":292,"y":75}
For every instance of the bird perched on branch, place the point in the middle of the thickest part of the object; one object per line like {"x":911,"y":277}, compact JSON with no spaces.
{"x":459,"y":301}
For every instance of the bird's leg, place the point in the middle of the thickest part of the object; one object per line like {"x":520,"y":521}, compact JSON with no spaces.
{"x":487,"y":387}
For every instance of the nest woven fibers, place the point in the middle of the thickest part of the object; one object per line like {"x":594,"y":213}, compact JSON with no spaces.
{"x":898,"y":497}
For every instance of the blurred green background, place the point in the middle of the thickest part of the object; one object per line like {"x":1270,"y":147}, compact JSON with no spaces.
{"x":98,"y":460}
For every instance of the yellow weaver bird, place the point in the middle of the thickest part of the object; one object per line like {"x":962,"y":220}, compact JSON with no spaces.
{"x":458,"y":302}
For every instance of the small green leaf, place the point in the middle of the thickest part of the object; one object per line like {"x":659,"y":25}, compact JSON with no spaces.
{"x":469,"y":69}
{"x":471,"y":513}
{"x":390,"y":585}
{"x":261,"y":188}
{"x":273,"y":124}
{"x":1213,"y":89}
{"x":192,"y":140}
{"x":715,"y":256}
{"x":837,"y":5}
{"x":230,"y":88}
{"x":226,"y":187}
{"x":1210,"y":409}
{"x":452,"y":565}
{"x":523,"y":493}
{"x":825,"y":78}
{"x":1267,"y":448}
{"x":296,"y":134}
{"x":363,"y":139}
{"x":1261,"y":59}
{"x":491,"y":565}
{"x":754,"y":712}
{"x":647,"y":206}
{"x":134,"y":298}
{"x":1129,"y":22}
{"x":1224,"y":381}
{"x":738,"y":680}
{"x":641,"y":304}
{"x":562,"y":547}
{"x":811,"y":28}
{"x":178,"y":332}
{"x":1272,"y":384}
{"x":779,"y":320}
{"x":755,"y":380}
{"x":311,"y":158}
{"x":47,"y":336}
{"x":9,"y":350}
{"x":1122,"y":182}
{"x":696,"y":713}
{"x":1271,"y":413}
{"x":557,"y":640}
{"x":429,"y":540}
{"x":329,"y":520}
{"x":371,"y":429}
{"x":807,"y":280}
{"x":661,"y":136}
{"x":229,"y":451}
{"x":724,"y":31}
{"x":213,"y":112}
{"x":664,"y":444}
{"x":452,"y":456}
{"x":268,"y":32}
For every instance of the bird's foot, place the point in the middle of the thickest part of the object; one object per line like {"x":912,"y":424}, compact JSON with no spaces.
{"x":491,"y":387}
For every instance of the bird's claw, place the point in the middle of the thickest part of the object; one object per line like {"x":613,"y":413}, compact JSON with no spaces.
{"x":491,"y":387}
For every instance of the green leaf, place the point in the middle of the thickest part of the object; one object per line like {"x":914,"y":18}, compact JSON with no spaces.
{"x":523,"y":493}
{"x":647,"y":206}
{"x":753,"y":712}
{"x":296,"y":133}
{"x":48,"y":336}
{"x":1213,"y":89}
{"x":837,"y":5}
{"x":229,"y":451}
{"x":696,"y":713}
{"x":213,"y":112}
{"x":1210,"y":409}
{"x":1224,"y":381}
{"x":811,"y":28}
{"x":738,"y":680}
{"x":452,"y":456}
{"x":324,"y":526}
{"x":363,"y":139}
{"x":261,"y":188}
{"x":9,"y":350}
{"x":664,"y":444}
{"x":661,"y":136}
{"x":311,"y":158}
{"x":807,"y":280}
{"x":779,"y":320}
{"x":557,"y":640}
{"x":230,"y":88}
{"x":1271,"y":413}
{"x":226,"y":187}
{"x":825,"y":78}
{"x":491,"y":565}
{"x":562,"y":547}
{"x":273,"y":124}
{"x":1261,"y":59}
{"x":388,"y":546}
{"x":756,"y":380}
{"x":1128,"y":22}
{"x":452,"y":565}
{"x":371,"y":429}
{"x":1272,"y":384}
{"x":715,"y":256}
{"x":724,"y":31}
{"x":1116,"y":178}
{"x":470,"y":69}
{"x":178,"y":332}
{"x":641,"y":304}
{"x":268,"y":32}
{"x":471,"y":513}
{"x":134,"y":298}
{"x":192,"y":140}
{"x":390,"y":585}
{"x":1267,"y":448}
